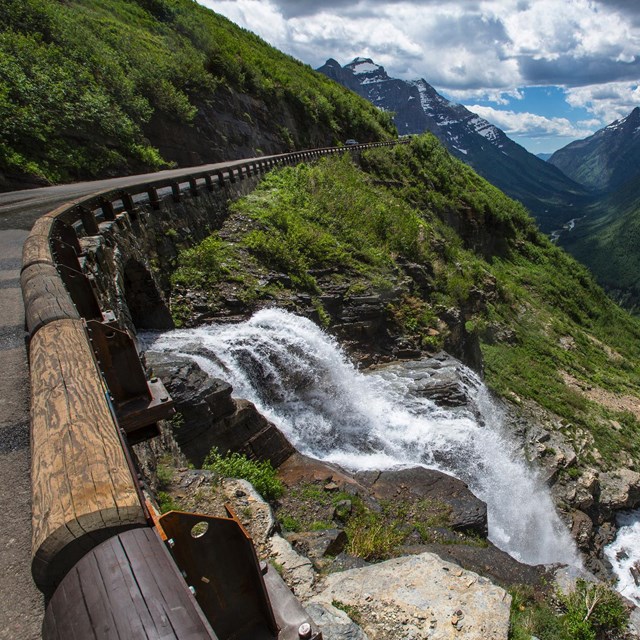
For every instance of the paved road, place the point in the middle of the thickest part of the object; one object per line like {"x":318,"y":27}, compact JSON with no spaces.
{"x":20,"y":209}
{"x":21,"y":606}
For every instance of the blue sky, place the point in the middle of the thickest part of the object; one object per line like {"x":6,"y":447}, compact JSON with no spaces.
{"x":545,"y":71}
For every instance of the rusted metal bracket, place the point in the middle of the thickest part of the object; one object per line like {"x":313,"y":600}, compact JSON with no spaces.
{"x":139,"y":403}
{"x":219,"y":562}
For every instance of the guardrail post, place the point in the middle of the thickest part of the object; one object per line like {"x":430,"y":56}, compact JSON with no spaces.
{"x":208,"y":182}
{"x":128,"y":204}
{"x":88,"y":221}
{"x":154,"y":200}
{"x":107,"y":209}
{"x":220,"y":179}
{"x":175,"y":192}
{"x":193,"y":186}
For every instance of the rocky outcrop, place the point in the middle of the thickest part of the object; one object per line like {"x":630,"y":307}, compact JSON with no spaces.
{"x":466,"y":512}
{"x":420,"y":597}
{"x":210,"y":417}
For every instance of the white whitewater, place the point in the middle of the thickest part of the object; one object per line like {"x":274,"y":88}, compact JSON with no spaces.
{"x":302,"y":381}
{"x":624,"y":554}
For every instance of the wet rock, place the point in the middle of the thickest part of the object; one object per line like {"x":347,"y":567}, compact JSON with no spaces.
{"x":619,"y":490}
{"x":210,"y":417}
{"x":420,"y":597}
{"x":582,"y":530}
{"x":467,"y":513}
{"x":440,"y":378}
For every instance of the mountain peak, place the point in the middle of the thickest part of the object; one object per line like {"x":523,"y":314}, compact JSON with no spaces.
{"x":364,"y":65}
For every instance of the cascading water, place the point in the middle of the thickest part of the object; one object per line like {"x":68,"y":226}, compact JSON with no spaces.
{"x":624,"y":555}
{"x":300,"y":379}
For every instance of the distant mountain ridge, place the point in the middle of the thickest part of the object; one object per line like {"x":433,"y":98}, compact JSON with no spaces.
{"x":418,"y":107}
{"x":605,"y":160}
{"x":607,"y":237}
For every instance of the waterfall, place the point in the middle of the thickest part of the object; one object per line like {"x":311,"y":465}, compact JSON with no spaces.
{"x":624,"y":555}
{"x":301,"y":380}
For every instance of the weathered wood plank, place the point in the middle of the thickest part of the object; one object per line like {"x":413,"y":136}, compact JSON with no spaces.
{"x":128,"y":588}
{"x":45,"y":297}
{"x":82,"y":487}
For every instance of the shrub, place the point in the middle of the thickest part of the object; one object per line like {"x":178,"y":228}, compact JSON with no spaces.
{"x":260,"y":473}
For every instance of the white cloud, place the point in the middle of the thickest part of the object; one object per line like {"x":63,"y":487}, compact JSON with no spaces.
{"x":473,"y":50}
{"x":530,"y":124}
{"x":607,"y":102}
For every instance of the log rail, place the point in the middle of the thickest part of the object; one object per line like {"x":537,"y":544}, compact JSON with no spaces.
{"x":85,"y":487}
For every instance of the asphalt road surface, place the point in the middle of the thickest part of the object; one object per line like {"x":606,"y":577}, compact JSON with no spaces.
{"x":21,"y":604}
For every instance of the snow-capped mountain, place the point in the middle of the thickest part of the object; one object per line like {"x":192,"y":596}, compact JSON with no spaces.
{"x":607,"y":159}
{"x":418,"y":107}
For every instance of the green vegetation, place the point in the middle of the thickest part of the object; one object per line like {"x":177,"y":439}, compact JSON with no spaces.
{"x":329,"y":216}
{"x":376,"y":530}
{"x":166,"y":502}
{"x":203,"y":265}
{"x":607,"y":241}
{"x":547,"y":332}
{"x":260,"y":473}
{"x":83,"y":83}
{"x":591,"y":612}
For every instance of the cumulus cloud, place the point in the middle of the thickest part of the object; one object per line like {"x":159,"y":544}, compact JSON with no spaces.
{"x":608,"y":102}
{"x":531,"y":125}
{"x":472,"y":50}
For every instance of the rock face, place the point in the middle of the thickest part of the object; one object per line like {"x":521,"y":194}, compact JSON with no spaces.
{"x":420,"y":597}
{"x":212,"y":418}
{"x":468,"y":513}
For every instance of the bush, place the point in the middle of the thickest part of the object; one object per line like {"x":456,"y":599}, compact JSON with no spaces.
{"x":260,"y":473}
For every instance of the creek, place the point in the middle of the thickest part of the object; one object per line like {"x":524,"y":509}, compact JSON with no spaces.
{"x":301,"y":380}
{"x":624,"y":555}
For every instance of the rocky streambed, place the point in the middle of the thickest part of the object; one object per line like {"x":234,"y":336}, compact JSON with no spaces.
{"x":438,"y":527}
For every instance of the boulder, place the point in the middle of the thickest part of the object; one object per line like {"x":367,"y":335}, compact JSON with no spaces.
{"x":334,"y":623}
{"x":467,"y":513}
{"x":420,"y":597}
{"x":212,"y":418}
{"x":619,"y":490}
{"x":319,"y":546}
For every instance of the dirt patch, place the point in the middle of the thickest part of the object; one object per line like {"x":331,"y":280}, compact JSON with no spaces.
{"x":613,"y":401}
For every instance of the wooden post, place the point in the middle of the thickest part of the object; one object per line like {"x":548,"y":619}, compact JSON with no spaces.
{"x":154,"y":200}
{"x":83,"y":491}
{"x":107,"y":209}
{"x":175,"y":192}
{"x":88,"y":221}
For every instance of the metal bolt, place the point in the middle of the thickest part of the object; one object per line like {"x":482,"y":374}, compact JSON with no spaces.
{"x":171,"y":542}
{"x":304,"y":630}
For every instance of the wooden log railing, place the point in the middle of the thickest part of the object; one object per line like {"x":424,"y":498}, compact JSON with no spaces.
{"x":85,"y":489}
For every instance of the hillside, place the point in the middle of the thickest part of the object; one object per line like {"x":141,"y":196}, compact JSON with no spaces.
{"x":426,"y":255}
{"x":605,"y":235}
{"x":550,"y":195}
{"x":607,"y":240}
{"x":92,"y":89}
{"x":606,"y":160}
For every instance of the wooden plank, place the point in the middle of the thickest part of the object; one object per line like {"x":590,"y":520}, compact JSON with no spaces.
{"x":82,"y":486}
{"x":128,"y":589}
{"x":45,"y":297}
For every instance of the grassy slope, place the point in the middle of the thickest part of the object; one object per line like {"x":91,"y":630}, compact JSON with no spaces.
{"x":607,"y":241}
{"x":80,"y":80}
{"x":540,"y":313}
